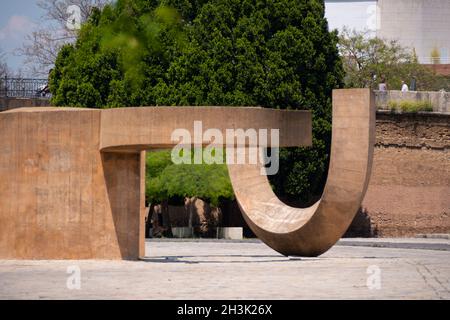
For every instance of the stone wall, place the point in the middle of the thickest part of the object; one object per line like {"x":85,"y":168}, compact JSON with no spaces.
{"x":440,"y":100}
{"x":8,"y":103}
{"x":409,"y":191}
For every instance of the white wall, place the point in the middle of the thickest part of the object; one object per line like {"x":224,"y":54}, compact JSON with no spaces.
{"x":419,"y":24}
{"x":358,"y":15}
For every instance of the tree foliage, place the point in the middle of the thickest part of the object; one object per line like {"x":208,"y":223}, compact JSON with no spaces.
{"x":368,"y":59}
{"x":166,"y":180}
{"x":271,"y":53}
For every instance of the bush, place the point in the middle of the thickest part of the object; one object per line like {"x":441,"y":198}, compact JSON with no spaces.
{"x":367,"y":60}
{"x":411,"y":106}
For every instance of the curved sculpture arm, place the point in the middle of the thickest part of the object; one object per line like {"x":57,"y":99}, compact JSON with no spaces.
{"x":314,"y":230}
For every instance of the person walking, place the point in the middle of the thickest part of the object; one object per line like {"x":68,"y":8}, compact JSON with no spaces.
{"x":404,"y":87}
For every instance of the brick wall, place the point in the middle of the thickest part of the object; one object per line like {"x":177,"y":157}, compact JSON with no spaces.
{"x":442,"y":69}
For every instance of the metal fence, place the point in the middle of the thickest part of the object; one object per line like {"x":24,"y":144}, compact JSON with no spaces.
{"x":22,"y":88}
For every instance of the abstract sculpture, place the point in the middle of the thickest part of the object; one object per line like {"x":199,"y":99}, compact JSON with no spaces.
{"x":72,"y":181}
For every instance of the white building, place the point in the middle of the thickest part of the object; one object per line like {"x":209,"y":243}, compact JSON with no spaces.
{"x":420,"y":24}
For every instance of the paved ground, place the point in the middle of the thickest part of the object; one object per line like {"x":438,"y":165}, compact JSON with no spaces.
{"x":238,"y":270}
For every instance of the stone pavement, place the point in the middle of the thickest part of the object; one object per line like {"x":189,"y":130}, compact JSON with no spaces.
{"x":239,"y":270}
{"x":436,"y":243}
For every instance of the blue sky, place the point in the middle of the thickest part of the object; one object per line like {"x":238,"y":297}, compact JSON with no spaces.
{"x":19,"y":17}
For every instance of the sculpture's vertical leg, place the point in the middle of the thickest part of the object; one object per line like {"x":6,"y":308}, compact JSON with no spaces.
{"x":125,"y":183}
{"x":142,"y":204}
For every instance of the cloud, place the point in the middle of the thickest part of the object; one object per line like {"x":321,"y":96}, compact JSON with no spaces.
{"x":16,"y":28}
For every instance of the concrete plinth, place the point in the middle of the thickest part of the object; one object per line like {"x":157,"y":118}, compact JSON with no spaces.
{"x":231,"y":233}
{"x":183,"y":232}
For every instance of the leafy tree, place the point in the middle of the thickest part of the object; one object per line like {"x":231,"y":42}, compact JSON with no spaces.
{"x":121,"y":51}
{"x":272,"y":53}
{"x":368,"y":59}
{"x":166,"y":180}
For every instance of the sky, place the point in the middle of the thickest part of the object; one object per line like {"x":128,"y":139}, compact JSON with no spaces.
{"x":19,"y":18}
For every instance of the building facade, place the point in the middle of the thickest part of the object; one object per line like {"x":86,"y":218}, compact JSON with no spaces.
{"x":422,"y":25}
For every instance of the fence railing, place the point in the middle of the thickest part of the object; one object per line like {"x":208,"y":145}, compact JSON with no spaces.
{"x":23,"y":87}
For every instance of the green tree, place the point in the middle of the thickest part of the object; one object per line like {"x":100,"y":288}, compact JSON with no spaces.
{"x":271,"y":53}
{"x":368,"y":59}
{"x":167,"y":181}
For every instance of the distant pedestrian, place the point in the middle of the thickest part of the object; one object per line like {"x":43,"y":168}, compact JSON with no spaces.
{"x":404,"y":87}
{"x":413,"y":86}
{"x":382,"y":86}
